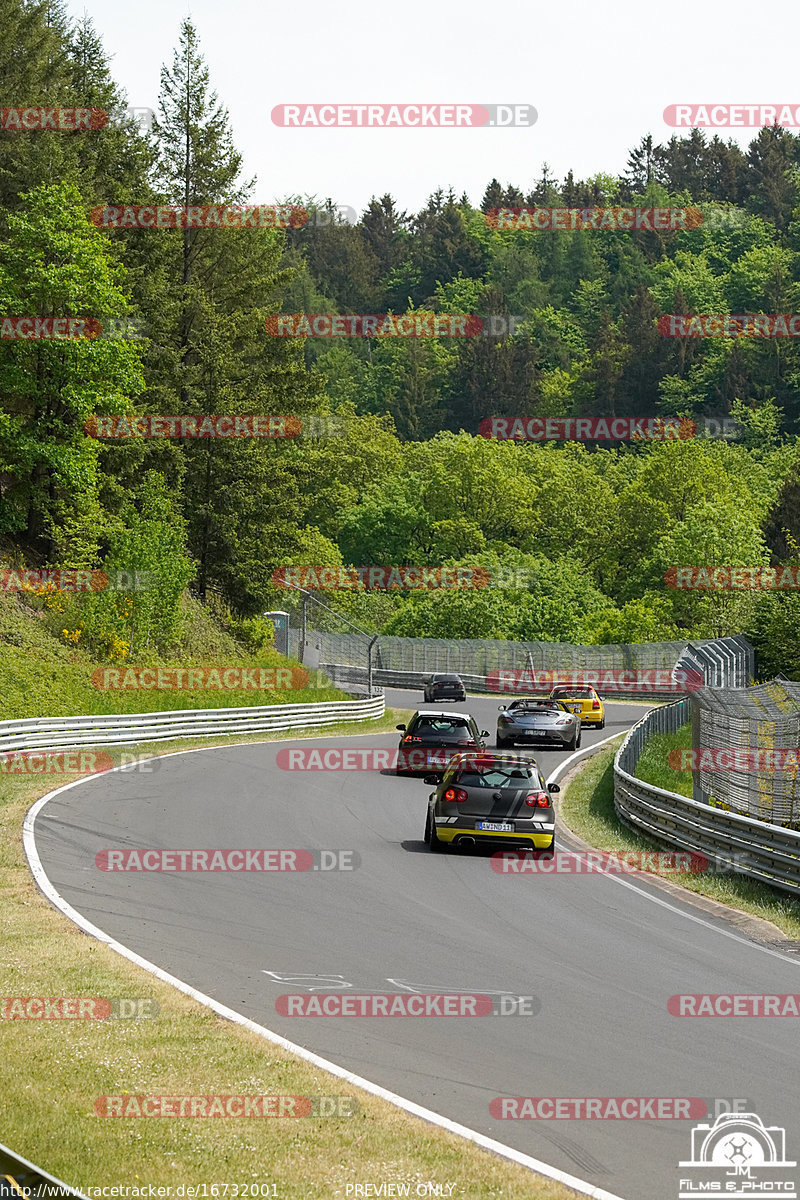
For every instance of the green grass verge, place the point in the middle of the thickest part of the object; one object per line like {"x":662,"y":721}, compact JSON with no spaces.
{"x":587,"y":807}
{"x":653,"y":766}
{"x":56,"y":1069}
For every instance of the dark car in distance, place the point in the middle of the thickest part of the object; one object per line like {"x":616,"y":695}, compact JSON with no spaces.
{"x":444,"y":687}
{"x":432,"y":737}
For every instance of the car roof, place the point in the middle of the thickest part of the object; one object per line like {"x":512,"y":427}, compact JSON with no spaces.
{"x":440,"y":712}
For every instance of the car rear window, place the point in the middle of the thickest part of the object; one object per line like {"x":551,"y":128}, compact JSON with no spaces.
{"x":574,"y":694}
{"x":528,"y":706}
{"x":498,"y":777}
{"x":446,"y":679}
{"x":435,"y":727}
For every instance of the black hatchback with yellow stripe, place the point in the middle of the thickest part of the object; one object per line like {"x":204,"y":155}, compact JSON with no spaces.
{"x":499,"y":799}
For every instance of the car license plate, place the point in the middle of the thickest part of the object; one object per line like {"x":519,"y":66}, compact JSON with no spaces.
{"x":496,"y":827}
{"x":534,"y":733}
{"x":574,"y":707}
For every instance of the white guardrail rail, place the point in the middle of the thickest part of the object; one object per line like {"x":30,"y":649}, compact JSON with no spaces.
{"x":741,"y":845}
{"x":61,"y":733}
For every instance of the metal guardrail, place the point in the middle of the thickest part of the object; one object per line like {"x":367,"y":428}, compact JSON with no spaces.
{"x":741,"y":845}
{"x":66,"y":732}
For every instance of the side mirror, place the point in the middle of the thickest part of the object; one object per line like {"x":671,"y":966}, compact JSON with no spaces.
{"x":553,"y":787}
{"x":501,"y":708}
{"x":401,"y":727}
{"x":484,"y":733}
{"x":431,"y":779}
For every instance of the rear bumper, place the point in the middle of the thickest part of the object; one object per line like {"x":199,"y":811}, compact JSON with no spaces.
{"x":541,"y":840}
{"x":422,"y":762}
{"x":550,"y":739}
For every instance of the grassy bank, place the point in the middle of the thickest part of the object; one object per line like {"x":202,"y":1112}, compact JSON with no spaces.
{"x":42,"y":675}
{"x":653,"y":766}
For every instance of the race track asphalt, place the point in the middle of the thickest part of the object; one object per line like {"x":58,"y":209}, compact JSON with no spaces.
{"x":601,"y":954}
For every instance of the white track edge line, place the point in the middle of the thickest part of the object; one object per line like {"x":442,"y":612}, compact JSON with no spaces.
{"x":409,"y":1106}
{"x":559,"y":771}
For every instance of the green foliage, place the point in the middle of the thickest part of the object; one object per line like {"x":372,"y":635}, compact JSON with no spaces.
{"x":405,"y":479}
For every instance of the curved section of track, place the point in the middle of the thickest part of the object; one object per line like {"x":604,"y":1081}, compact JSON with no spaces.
{"x":601,"y":954}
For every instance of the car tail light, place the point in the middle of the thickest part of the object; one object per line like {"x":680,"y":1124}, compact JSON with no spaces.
{"x":564,"y":721}
{"x":409,"y":738}
{"x":595,"y":704}
{"x":455,"y":795}
{"x":537,"y":800}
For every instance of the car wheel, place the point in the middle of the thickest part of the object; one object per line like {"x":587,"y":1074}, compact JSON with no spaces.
{"x":573,"y":745}
{"x":580,"y":736}
{"x":601,"y":724}
{"x":431,"y":837}
{"x":503,"y":742}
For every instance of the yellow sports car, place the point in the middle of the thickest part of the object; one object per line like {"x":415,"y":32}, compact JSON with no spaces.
{"x":583,"y":700}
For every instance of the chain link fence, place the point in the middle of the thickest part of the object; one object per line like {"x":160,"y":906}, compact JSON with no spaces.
{"x":398,"y":661}
{"x":731,"y":841}
{"x":763,"y":718}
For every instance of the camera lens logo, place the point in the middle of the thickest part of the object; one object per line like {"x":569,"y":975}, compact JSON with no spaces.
{"x":738,"y":1154}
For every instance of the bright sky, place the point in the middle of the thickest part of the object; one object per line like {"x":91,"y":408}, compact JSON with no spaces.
{"x":599,"y":75}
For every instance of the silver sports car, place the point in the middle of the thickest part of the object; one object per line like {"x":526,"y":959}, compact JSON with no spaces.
{"x":538,"y":721}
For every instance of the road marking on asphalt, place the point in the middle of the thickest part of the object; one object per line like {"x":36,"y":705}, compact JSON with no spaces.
{"x":230,"y":1014}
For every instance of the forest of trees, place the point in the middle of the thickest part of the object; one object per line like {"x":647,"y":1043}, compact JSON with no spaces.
{"x":407,"y":479}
